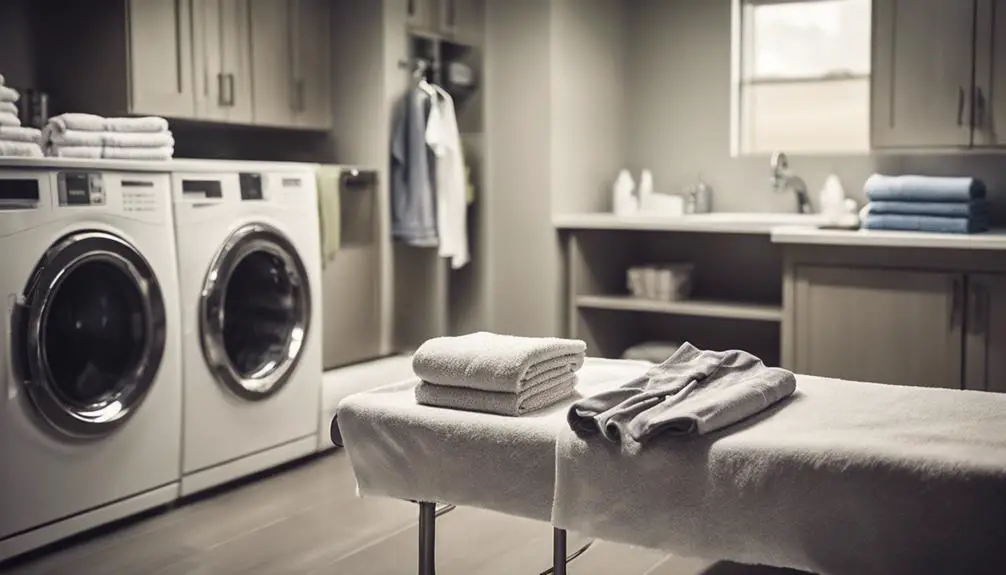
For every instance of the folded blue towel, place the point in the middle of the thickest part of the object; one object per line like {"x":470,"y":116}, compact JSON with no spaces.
{"x":923,"y":188}
{"x":915,"y":223}
{"x":979,"y":207}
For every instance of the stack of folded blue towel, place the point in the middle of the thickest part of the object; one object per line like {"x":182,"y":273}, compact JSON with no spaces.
{"x":926,"y":204}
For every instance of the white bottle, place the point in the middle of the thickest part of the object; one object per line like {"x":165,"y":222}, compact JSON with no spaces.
{"x":832,"y":198}
{"x":623,"y":200}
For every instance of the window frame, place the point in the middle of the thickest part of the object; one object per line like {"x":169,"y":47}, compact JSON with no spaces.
{"x":741,"y":43}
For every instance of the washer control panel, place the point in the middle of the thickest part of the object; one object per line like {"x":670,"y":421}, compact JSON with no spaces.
{"x":81,"y":189}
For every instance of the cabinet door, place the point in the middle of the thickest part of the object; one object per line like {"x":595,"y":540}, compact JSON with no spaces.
{"x":990,"y":73}
{"x":880,"y":326}
{"x":313,"y":85}
{"x":922,"y":64}
{"x":424,"y":14}
{"x":235,"y":42}
{"x":464,"y":19}
{"x":160,"y":57}
{"x":985,"y":345}
{"x":210,"y":82}
{"x":272,"y":37}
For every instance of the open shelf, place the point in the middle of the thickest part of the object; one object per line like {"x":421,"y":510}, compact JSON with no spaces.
{"x":702,"y":308}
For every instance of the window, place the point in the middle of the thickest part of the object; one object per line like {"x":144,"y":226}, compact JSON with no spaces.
{"x":802,"y":76}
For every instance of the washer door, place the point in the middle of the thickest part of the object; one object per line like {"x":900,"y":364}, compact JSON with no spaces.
{"x":255,"y":312}
{"x":89,"y":333}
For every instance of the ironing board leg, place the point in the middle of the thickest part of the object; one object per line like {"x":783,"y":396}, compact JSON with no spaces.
{"x":558,"y":551}
{"x":427,"y":538}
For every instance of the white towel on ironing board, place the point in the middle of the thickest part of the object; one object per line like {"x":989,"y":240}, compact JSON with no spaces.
{"x":8,"y":94}
{"x":9,"y":119}
{"x":20,"y":149}
{"x":95,"y":123}
{"x":20,"y":134}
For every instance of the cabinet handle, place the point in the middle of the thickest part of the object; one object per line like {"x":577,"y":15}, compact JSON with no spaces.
{"x":178,"y":46}
{"x":412,"y":8}
{"x":955,"y":301}
{"x":960,"y":105}
{"x":221,"y":90}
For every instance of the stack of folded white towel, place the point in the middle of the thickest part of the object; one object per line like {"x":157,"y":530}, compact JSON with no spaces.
{"x":91,"y":136}
{"x":492,"y":373}
{"x":15,"y":140}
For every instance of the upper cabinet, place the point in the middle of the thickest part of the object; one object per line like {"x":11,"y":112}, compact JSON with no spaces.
{"x":160,"y":63}
{"x":923,"y":54}
{"x":290,"y":62}
{"x":222,"y":53}
{"x":938,"y":78}
{"x":459,"y":19}
{"x":260,"y":62}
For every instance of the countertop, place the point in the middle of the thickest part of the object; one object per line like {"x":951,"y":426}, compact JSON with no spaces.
{"x":992,"y":240}
{"x":780,"y":232}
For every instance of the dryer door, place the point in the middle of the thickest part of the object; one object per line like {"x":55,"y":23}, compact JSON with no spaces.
{"x":255,"y":312}
{"x":89,"y":334}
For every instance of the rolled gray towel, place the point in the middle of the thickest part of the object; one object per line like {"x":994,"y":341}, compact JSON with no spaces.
{"x":694,"y":392}
{"x":494,"y":362}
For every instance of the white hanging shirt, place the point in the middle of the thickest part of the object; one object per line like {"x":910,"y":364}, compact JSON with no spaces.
{"x":444,"y":139}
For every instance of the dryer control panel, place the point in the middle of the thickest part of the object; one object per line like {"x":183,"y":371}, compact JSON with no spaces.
{"x":81,"y":189}
{"x":251,"y":186}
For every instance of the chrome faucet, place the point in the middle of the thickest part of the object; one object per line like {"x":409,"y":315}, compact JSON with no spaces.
{"x":784,"y":180}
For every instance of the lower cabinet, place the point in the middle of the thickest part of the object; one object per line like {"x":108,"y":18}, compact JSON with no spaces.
{"x":877,"y":325}
{"x":985,"y":340}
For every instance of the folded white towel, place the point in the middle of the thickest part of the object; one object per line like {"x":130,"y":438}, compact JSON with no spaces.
{"x":8,"y":108}
{"x":116,"y":153}
{"x":8,"y":94}
{"x":20,"y":149}
{"x":493,"y":362}
{"x":110,"y":153}
{"x":90,"y":152}
{"x":9,"y":119}
{"x":511,"y":404}
{"x":94,"y":123}
{"x":20,"y":134}
{"x":139,"y":139}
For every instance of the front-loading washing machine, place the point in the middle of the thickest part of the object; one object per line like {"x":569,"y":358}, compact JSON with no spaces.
{"x":250,"y":276}
{"x":90,"y":359}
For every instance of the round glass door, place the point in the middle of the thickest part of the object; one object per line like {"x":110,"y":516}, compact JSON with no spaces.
{"x":256,"y":310}
{"x":89,"y":333}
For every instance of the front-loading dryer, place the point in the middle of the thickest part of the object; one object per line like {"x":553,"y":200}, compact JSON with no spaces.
{"x":90,"y":362}
{"x":250,"y":274}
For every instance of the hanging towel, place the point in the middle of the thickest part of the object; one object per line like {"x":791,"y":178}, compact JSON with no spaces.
{"x":936,"y":224}
{"x":978,"y":207}
{"x":510,"y":404}
{"x":21,"y":134}
{"x":413,"y":197}
{"x":444,"y":139}
{"x":693,"y":392}
{"x":923,"y":188}
{"x":9,"y":119}
{"x":329,"y":211}
{"x":8,"y":94}
{"x":95,"y":123}
{"x":495,"y":362}
{"x":20,"y":149}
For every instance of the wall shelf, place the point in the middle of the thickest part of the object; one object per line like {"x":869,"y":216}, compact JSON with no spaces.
{"x":700,"y":308}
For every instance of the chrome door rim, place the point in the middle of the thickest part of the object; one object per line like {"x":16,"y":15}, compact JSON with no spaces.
{"x":248,"y":240}
{"x":60,"y":261}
